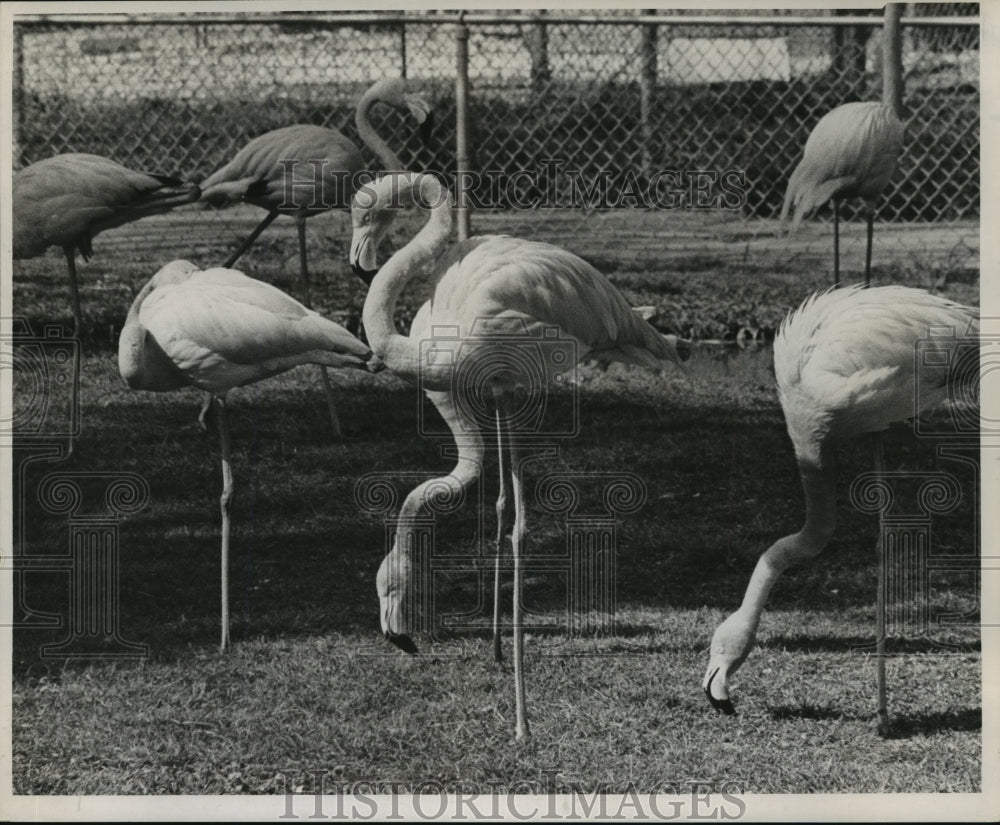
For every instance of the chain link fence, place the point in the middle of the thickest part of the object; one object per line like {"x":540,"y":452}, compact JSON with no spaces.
{"x":576,"y":121}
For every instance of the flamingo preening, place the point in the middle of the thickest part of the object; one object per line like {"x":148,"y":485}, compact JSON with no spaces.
{"x":218,"y":329}
{"x":851,"y":153}
{"x":304,"y":170}
{"x":68,"y":199}
{"x":846,"y":365}
{"x":486,"y":290}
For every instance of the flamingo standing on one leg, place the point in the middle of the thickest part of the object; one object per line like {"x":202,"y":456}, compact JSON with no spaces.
{"x":845,"y":364}
{"x":851,"y":153}
{"x":218,"y":329}
{"x":68,"y":199}
{"x":304,"y":170}
{"x":486,"y":289}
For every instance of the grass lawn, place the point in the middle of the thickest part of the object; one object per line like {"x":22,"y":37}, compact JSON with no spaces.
{"x":310,"y":689}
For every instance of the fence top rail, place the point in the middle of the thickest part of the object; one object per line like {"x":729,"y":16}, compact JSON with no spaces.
{"x":349,"y":19}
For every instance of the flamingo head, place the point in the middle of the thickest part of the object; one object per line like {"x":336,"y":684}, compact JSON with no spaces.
{"x":731,"y":644}
{"x":175,"y":272}
{"x":393,"y":583}
{"x":373,"y":210}
{"x":396,"y":92}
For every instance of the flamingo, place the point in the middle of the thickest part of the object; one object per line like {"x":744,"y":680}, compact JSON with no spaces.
{"x":218,"y":329}
{"x":68,"y":199}
{"x":322,"y":164}
{"x":851,"y":153}
{"x":845,"y":365}
{"x":458,"y":349}
{"x":303,"y":170}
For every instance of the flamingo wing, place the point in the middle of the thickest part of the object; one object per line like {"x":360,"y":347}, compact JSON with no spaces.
{"x":852,"y":151}
{"x":223,"y":329}
{"x":67,"y":199}
{"x":320,"y":162}
{"x":846,"y":362}
{"x":544,"y":287}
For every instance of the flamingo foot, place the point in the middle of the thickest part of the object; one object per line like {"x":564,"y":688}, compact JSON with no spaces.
{"x":402,"y":641}
{"x":722,"y":705}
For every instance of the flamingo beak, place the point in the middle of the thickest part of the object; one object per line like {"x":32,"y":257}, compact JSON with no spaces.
{"x":402,"y":641}
{"x":389,"y":617}
{"x":363,"y":261}
{"x":722,"y":705}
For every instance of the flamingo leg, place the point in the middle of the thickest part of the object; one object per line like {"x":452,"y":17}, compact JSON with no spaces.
{"x":518,"y":537}
{"x":74,"y":289}
{"x":300,"y":220}
{"x":224,"y":501}
{"x":74,"y":293}
{"x":868,"y":247}
{"x":264,"y":224}
{"x":205,"y":405}
{"x":331,"y":405}
{"x":836,"y":242}
{"x":502,"y":526}
{"x":882,"y":712}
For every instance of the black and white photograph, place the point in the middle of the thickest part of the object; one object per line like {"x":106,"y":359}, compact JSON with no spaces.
{"x":499,"y":413}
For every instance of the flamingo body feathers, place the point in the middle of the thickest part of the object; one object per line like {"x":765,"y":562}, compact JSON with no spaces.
{"x":321,"y":162}
{"x":218,"y":329}
{"x":537,"y":287}
{"x":67,"y":199}
{"x":846,"y":361}
{"x":852,"y":152}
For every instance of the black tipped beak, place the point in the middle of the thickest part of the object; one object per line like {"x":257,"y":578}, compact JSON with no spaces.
{"x":722,"y":705}
{"x":402,"y":641}
{"x":366,"y":275}
{"x":427,"y":127}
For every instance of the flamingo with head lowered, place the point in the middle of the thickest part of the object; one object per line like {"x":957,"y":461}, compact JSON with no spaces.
{"x":846,"y":365}
{"x":216,"y":330}
{"x":485,"y":290}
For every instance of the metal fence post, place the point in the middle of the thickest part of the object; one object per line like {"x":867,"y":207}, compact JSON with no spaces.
{"x":402,"y":49}
{"x":462,"y":123}
{"x":647,"y":87}
{"x":892,"y":59}
{"x":537,"y":40}
{"x":18,"y":94}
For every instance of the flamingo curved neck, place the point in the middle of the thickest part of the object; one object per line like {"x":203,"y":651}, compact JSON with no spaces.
{"x":389,"y":160}
{"x":819,"y":486}
{"x":399,"y":352}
